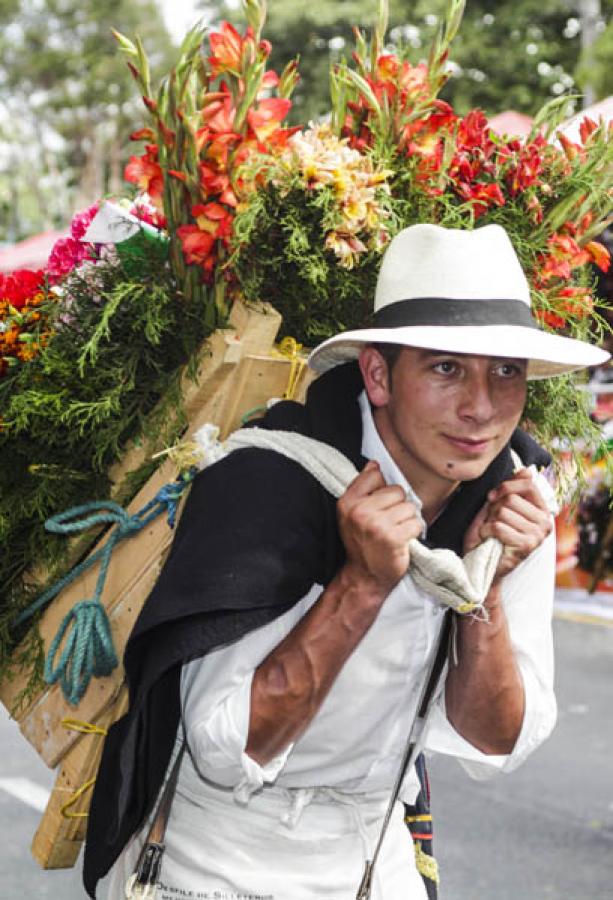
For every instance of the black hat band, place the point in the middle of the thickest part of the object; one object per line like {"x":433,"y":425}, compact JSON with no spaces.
{"x":448,"y":312}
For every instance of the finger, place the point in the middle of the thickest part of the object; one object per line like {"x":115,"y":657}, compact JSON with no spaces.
{"x":518,"y":519}
{"x":522,"y":484}
{"x":520,"y":542}
{"x":522,"y":506}
{"x":403,"y":513}
{"x":369,"y":479}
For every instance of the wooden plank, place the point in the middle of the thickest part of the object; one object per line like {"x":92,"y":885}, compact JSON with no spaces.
{"x":58,"y":839}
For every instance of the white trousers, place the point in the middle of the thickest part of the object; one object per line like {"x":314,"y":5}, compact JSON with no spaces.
{"x":284,"y":845}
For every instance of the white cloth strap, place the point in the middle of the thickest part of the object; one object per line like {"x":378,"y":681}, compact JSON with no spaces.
{"x":462,"y":584}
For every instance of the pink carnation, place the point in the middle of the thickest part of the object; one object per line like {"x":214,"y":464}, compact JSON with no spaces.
{"x":66,"y":255}
{"x":82,"y":220}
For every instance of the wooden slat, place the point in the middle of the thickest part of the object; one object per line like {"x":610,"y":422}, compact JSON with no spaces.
{"x":58,"y":839}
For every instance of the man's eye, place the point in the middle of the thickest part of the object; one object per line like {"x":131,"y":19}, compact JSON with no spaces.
{"x":508,"y":370}
{"x":445,"y":367}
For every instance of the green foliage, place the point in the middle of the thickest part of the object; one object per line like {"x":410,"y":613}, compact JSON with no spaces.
{"x":107,"y":376}
{"x":281,"y":258}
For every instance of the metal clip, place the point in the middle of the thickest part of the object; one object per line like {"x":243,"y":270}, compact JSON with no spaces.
{"x":142,"y":884}
{"x":366,"y":883}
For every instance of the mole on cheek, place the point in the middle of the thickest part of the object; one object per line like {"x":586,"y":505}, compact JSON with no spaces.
{"x":450,"y":465}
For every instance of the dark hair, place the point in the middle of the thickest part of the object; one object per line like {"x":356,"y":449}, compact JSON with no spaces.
{"x":389,"y":352}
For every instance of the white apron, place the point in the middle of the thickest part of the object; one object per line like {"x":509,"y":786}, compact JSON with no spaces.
{"x":283,"y":845}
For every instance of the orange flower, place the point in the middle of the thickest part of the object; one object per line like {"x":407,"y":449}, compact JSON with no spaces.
{"x":387,"y":67}
{"x":227,"y":48}
{"x":586,"y":129}
{"x":571,"y":150}
{"x":219,"y":113}
{"x":414,"y":79}
{"x":577,"y":300}
{"x":214,"y":219}
{"x":599,"y":254}
{"x":146,"y":172}
{"x":269,"y":113}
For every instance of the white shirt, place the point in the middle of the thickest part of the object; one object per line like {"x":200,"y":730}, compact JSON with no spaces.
{"x":355,"y":741}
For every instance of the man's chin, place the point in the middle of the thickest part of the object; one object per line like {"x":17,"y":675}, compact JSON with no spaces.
{"x":467,"y":470}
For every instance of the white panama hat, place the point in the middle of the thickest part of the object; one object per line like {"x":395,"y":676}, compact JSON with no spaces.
{"x":460,"y":292}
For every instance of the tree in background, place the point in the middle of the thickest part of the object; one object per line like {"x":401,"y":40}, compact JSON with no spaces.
{"x":509,"y":53}
{"x":67,"y":103}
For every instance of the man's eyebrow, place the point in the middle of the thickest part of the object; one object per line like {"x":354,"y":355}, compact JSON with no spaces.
{"x":426,"y":354}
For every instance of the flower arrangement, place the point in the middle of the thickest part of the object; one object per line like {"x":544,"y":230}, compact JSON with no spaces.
{"x":231,"y":202}
{"x":21,"y":319}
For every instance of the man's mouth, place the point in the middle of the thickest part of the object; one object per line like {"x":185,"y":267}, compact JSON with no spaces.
{"x":469,"y":445}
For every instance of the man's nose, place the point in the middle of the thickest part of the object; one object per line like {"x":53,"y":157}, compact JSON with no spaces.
{"x":477,"y":402}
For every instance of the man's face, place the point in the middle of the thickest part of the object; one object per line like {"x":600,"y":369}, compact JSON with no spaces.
{"x":445,"y":416}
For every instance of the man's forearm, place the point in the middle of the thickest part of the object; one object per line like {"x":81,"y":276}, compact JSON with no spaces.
{"x":484,"y":692}
{"x":290,"y":685}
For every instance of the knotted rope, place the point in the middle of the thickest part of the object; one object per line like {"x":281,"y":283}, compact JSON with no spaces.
{"x":88,"y":649}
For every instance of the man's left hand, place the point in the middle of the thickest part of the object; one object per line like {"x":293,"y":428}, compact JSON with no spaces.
{"x":517,"y":515}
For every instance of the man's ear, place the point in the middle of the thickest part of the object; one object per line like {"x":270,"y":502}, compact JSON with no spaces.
{"x":375,"y":373}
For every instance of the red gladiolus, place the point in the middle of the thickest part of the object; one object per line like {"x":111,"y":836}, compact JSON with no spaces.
{"x":474,"y":133}
{"x":564,"y":256}
{"x":269,"y":113}
{"x":414,"y":80}
{"x":528,"y":167}
{"x":214,"y":219}
{"x":265,"y":48}
{"x":197,"y":245}
{"x":219,"y":115}
{"x":212,"y":182}
{"x":270,"y":80}
{"x":482,"y":196}
{"x":143,"y":134}
{"x":550,"y":318}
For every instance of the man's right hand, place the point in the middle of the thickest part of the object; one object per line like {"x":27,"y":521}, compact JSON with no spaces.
{"x":376,"y":523}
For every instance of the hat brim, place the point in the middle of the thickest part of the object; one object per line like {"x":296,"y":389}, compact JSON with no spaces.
{"x":548,"y":354}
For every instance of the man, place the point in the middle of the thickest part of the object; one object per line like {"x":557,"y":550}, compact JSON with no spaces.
{"x":290,"y":625}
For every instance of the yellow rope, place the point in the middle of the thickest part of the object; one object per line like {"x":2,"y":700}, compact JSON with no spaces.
{"x":426,"y":864}
{"x":289,"y":348}
{"x":78,"y":793}
{"x":83,"y":727}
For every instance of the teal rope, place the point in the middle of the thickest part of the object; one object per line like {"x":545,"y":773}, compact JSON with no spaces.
{"x":88,"y":650}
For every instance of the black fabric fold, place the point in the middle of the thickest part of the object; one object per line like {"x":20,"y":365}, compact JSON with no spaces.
{"x":256,"y":533}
